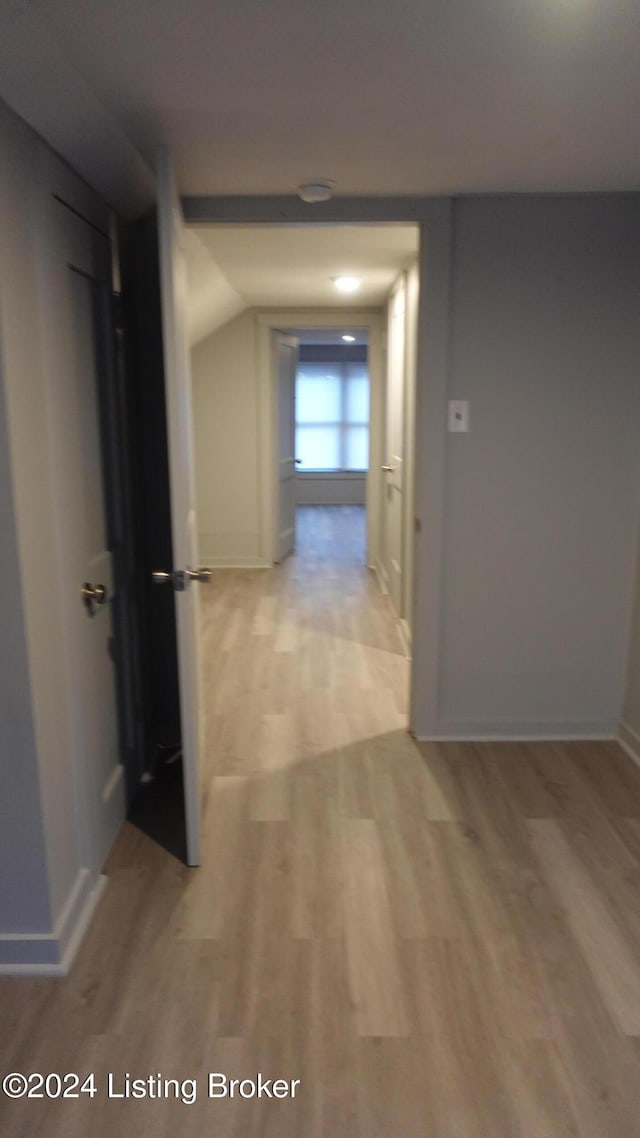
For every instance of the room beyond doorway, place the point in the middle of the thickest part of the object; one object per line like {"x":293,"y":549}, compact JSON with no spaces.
{"x":258,"y":283}
{"x":323,"y":399}
{"x":244,"y":283}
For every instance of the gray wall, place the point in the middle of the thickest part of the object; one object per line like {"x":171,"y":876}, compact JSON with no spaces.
{"x":24,"y":880}
{"x":541,"y":496}
{"x":24,"y":898}
{"x":45,"y":886}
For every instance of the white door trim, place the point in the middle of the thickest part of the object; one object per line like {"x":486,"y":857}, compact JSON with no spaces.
{"x":178,"y":388}
{"x":283,"y":320}
{"x":429,"y":485}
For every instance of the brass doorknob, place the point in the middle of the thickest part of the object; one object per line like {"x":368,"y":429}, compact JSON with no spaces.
{"x":93,"y":595}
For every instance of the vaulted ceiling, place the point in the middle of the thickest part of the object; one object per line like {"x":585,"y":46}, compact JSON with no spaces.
{"x":382,"y":96}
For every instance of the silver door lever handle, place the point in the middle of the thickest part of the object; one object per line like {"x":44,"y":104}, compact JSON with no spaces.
{"x":180,"y":578}
{"x":203,"y":575}
{"x":161,"y":577}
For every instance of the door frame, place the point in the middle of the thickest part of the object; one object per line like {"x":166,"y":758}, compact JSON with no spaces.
{"x":382,"y":565}
{"x":435,"y":218}
{"x":285,"y":320}
{"x":279,"y":338}
{"x":181,"y":454}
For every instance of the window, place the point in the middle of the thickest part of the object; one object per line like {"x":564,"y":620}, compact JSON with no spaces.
{"x":332,"y":416}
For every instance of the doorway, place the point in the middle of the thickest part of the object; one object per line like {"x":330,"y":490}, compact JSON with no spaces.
{"x":321,"y":384}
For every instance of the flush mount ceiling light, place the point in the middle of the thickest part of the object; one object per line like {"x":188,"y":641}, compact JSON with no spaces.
{"x":347,"y":284}
{"x":349,"y":339}
{"x":320,"y":190}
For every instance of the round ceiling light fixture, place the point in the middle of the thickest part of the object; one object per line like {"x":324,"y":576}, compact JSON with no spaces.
{"x":349,"y":339}
{"x":347,"y":284}
{"x":319,"y":190}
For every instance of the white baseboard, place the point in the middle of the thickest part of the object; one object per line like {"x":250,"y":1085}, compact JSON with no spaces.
{"x":629,"y":740}
{"x":405,"y":636}
{"x":495,"y":731}
{"x":52,"y":954}
{"x":234,"y":562}
{"x":381,"y":578}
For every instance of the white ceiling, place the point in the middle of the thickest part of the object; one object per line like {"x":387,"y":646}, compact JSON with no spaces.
{"x":293,"y":265}
{"x":331,"y":335}
{"x":383,"y":96}
{"x":230,"y":268}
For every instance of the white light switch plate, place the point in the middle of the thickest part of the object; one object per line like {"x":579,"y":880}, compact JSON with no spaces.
{"x":458,"y":414}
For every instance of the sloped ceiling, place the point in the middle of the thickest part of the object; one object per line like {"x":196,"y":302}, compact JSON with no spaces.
{"x":384,"y":98}
{"x":234,"y":267}
{"x":212,"y":300}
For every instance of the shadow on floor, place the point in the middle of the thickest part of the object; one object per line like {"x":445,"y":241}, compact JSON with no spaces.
{"x":158,"y":809}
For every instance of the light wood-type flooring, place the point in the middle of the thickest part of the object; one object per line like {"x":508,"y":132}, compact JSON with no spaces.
{"x":439,"y":941}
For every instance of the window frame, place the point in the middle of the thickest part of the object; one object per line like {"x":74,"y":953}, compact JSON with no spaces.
{"x":342,"y":425}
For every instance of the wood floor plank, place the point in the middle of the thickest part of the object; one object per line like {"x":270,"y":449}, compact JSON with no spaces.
{"x":374,"y":967}
{"x":612,"y":957}
{"x":316,"y":863}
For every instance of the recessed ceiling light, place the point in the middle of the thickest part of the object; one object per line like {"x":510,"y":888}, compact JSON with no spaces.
{"x":349,"y":339}
{"x":347,"y":284}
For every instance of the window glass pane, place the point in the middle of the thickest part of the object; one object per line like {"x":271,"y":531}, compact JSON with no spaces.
{"x":318,"y":447}
{"x":358,"y":396}
{"x":318,"y":394}
{"x":357,"y":448}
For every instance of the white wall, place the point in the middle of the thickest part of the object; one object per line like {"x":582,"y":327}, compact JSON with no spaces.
{"x":541,"y":497}
{"x":211,"y":301}
{"x":225,"y":405}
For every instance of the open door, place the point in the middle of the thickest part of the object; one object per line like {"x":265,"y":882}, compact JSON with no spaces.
{"x":285,"y":353}
{"x":182,"y":576}
{"x":393,"y":505}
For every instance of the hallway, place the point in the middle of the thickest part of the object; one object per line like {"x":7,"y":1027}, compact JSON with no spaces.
{"x":438,"y":940}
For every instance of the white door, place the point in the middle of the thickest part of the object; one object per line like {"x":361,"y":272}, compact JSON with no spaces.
{"x":76,"y":293}
{"x":393,"y":508}
{"x":183,"y":574}
{"x":285,"y":354}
